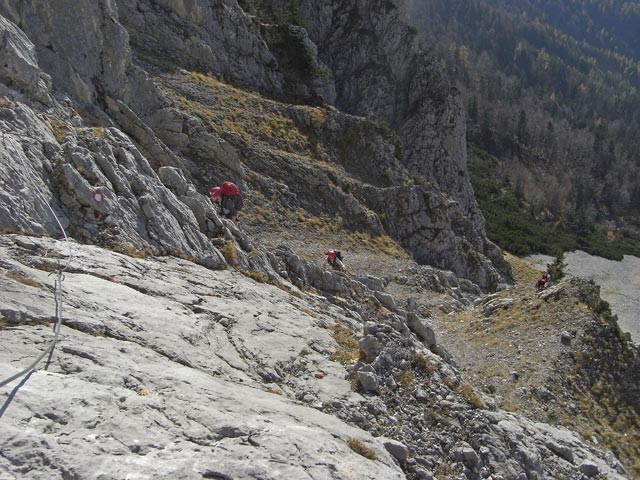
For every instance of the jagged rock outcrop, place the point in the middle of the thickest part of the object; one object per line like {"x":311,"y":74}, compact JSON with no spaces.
{"x":20,"y":65}
{"x":424,"y":221}
{"x":605,"y":359}
{"x":210,"y":36}
{"x":385,"y":75}
{"x":92,"y":61}
{"x":103,"y":189}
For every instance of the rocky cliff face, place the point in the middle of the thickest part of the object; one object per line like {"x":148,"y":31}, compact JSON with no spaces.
{"x":128,"y":43}
{"x":186,"y":346}
{"x":384,"y":74}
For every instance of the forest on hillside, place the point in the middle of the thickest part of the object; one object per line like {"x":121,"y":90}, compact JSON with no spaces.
{"x":610,"y":25}
{"x":552,"y":92}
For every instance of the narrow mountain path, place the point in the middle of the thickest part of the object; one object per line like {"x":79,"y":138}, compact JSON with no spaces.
{"x":511,"y":343}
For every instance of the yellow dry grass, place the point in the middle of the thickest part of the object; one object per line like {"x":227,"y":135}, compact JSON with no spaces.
{"x":524,"y":271}
{"x":360,"y":448}
{"x":16,"y":277}
{"x":348,"y":350}
{"x":227,"y":110}
{"x":59,"y":129}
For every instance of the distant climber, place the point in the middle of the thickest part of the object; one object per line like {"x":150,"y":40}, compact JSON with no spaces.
{"x":334,"y":260}
{"x":543,"y":282}
{"x":229,"y":198}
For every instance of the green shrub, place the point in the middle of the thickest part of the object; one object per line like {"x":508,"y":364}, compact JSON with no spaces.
{"x":556,"y":269}
{"x":517,"y":227}
{"x":602,"y":308}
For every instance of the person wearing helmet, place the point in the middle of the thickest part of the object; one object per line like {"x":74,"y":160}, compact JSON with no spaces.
{"x":334,"y":260}
{"x":229,"y":199}
{"x":216,"y":197}
{"x":543,"y":282}
{"x":214,"y":193}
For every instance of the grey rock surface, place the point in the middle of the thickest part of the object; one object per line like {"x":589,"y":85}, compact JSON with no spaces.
{"x":214,"y":36}
{"x":165,"y":369}
{"x":19,"y":65}
{"x":104,"y":186}
{"x":94,"y":60}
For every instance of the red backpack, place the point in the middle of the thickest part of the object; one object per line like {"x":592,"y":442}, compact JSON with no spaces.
{"x":229,"y":189}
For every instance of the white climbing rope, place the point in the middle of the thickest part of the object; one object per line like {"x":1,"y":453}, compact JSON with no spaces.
{"x":60,"y":271}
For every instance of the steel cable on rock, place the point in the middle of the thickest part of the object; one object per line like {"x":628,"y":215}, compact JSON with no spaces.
{"x":60,"y":271}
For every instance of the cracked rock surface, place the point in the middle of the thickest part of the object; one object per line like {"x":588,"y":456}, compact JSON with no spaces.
{"x":165,"y":369}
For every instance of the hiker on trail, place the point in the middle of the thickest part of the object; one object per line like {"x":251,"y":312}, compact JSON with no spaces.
{"x":334,"y":260}
{"x":542,"y":282}
{"x":229,"y":198}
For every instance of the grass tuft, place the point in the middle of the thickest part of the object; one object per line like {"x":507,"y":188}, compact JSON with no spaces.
{"x":360,"y":448}
{"x":5,"y":103}
{"x":230,"y":253}
{"x":22,"y":279}
{"x":131,"y":251}
{"x":468,"y":392}
{"x":59,"y":129}
{"x":405,"y":379}
{"x":348,"y":350}
{"x":423,"y":364}
{"x":252,"y":274}
{"x":445,"y":472}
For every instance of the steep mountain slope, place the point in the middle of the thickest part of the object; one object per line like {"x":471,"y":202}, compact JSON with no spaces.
{"x":177,"y":129}
{"x":601,"y":24}
{"x":549,"y":355}
{"x":385,"y":74}
{"x":190,"y":343}
{"x":166,"y":369}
